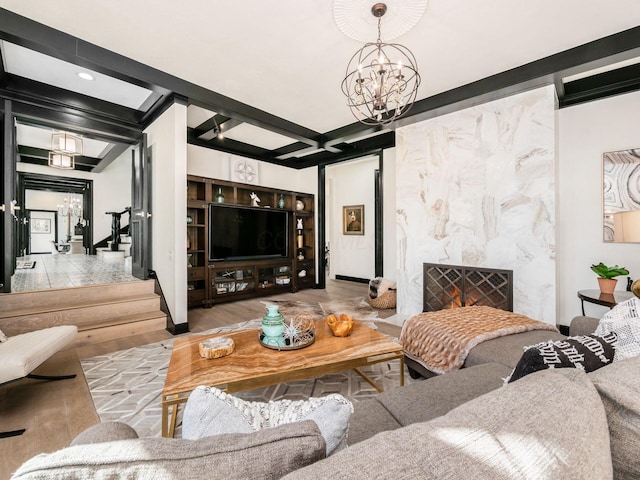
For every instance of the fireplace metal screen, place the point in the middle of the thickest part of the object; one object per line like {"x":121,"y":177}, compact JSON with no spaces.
{"x":453,"y":286}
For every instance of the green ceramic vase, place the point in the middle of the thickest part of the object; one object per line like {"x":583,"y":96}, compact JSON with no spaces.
{"x":273,"y":322}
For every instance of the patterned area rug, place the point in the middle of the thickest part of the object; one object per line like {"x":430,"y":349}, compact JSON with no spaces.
{"x":126,"y":386}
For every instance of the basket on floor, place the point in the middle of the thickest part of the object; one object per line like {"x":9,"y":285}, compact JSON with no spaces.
{"x":384,"y":301}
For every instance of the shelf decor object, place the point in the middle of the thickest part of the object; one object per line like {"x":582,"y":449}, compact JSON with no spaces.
{"x":606,"y":276}
{"x":382,"y":79}
{"x":273,"y":326}
{"x":219,"y":196}
{"x":216,"y":347}
{"x":299,"y":332}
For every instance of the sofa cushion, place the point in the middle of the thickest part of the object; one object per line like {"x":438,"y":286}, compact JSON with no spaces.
{"x":210,"y":411}
{"x":507,"y":350}
{"x":267,"y":454}
{"x":105,"y":432}
{"x":550,"y":425}
{"x":619,"y":388}
{"x":583,"y":325}
{"x":424,"y":400}
{"x":585,"y":352}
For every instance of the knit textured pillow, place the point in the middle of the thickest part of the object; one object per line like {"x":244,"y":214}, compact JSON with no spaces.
{"x":624,"y":321}
{"x":584,"y":352}
{"x":210,"y":411}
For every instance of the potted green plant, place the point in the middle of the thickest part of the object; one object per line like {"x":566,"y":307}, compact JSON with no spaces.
{"x":606,"y":276}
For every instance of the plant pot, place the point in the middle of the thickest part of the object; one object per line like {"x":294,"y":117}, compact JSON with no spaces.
{"x":607,"y":285}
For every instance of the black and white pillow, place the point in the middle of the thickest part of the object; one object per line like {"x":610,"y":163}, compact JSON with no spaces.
{"x":3,"y":337}
{"x":585,"y":352}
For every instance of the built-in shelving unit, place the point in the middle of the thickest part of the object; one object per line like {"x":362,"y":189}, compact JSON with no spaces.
{"x":211,"y":282}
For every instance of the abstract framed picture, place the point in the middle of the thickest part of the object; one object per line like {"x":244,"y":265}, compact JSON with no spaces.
{"x":40,"y":225}
{"x":621,"y":196}
{"x":353,"y":220}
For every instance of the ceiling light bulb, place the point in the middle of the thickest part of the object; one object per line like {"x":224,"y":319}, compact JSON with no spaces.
{"x":85,"y":76}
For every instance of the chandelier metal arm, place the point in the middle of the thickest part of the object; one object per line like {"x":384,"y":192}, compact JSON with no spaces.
{"x":382,"y":79}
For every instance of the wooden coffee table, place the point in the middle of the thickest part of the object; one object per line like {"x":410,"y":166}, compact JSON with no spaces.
{"x":253,"y":366}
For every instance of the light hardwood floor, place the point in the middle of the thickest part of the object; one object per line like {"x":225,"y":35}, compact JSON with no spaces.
{"x":55,"y":412}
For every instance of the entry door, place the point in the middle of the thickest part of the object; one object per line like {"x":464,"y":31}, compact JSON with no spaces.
{"x":9,"y":207}
{"x":140,"y":223}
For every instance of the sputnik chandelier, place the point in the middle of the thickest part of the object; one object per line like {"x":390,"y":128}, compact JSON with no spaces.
{"x":382,"y":79}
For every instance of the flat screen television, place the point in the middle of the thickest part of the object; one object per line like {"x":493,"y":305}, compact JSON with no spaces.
{"x":243,"y":233}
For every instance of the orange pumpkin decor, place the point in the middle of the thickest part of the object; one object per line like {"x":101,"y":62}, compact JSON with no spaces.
{"x":340,"y":326}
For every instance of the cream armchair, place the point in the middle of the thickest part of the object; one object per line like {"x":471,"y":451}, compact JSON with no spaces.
{"x":22,"y":354}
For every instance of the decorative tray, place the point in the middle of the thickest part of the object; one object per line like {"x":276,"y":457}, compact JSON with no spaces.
{"x":302,"y":339}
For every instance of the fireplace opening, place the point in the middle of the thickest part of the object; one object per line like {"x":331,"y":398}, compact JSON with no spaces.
{"x":455,"y":286}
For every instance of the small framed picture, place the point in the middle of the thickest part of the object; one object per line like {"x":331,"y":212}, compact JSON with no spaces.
{"x":40,"y":225}
{"x":353,"y":220}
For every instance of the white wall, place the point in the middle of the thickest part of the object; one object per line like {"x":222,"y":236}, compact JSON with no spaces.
{"x":585,"y":133}
{"x":167,"y":141}
{"x":477,"y":187}
{"x":111,"y":193}
{"x":206,"y":162}
{"x":390,"y":240}
{"x":351,"y":183}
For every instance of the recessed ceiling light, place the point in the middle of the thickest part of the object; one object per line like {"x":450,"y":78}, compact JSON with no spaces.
{"x":85,"y":76}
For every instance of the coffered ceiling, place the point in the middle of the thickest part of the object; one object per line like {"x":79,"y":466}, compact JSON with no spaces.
{"x":262,"y":79}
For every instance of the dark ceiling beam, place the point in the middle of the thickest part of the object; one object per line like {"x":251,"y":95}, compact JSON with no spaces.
{"x":297,"y":153}
{"x":26,"y":32}
{"x":36,"y":36}
{"x":113,"y":154}
{"x":220,"y":122}
{"x":66,"y":99}
{"x":540,"y":73}
{"x":51,"y":115}
{"x":292,"y":147}
{"x":356,"y":149}
{"x":606,"y":84}
{"x":231,"y":146}
{"x":36,"y":181}
{"x":208,"y":125}
{"x":42,"y":153}
{"x":40,"y":161}
{"x":349,"y":132}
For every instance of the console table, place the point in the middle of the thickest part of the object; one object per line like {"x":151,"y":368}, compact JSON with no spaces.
{"x":605,"y":299}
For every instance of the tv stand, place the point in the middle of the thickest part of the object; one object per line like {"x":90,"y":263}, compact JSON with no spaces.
{"x":212,"y":282}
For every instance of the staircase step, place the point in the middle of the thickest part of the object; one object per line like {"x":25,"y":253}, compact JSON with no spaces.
{"x":101,"y":312}
{"x":76,"y":313}
{"x":121,"y":327}
{"x":65,"y":296}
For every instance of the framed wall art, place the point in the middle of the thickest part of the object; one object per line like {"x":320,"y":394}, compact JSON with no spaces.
{"x":621,"y":196}
{"x":40,"y":225}
{"x":353,"y":220}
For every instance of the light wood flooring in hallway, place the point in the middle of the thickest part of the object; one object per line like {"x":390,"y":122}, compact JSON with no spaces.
{"x":55,"y":412}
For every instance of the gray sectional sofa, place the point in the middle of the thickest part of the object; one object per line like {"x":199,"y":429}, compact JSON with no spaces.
{"x":554,"y":424}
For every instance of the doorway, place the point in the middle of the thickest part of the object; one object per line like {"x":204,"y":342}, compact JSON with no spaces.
{"x":354,"y":197}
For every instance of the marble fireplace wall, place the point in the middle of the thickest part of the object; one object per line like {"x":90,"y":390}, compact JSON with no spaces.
{"x":477,"y":187}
